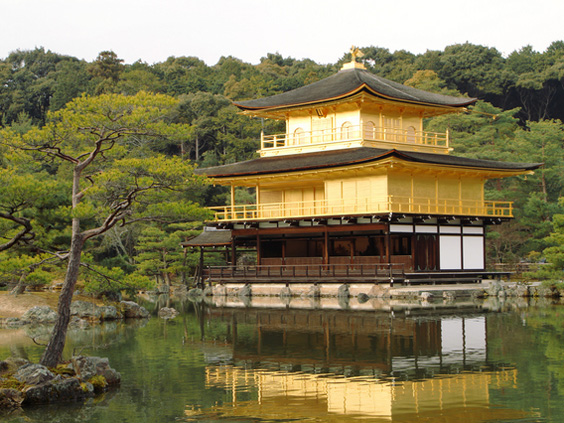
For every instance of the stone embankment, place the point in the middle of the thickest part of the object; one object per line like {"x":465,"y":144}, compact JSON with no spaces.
{"x":23,"y":383}
{"x":383,"y":291}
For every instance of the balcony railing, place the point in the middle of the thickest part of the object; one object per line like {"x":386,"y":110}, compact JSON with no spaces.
{"x":306,"y":273}
{"x":356,"y":133}
{"x":361,"y":206}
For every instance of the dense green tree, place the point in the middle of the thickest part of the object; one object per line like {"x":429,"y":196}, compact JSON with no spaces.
{"x":537,"y":80}
{"x":71,"y":80}
{"x":472,"y":69}
{"x":228,"y":67}
{"x":183,"y":75}
{"x":105,"y":72}
{"x":107,"y":66}
{"x":27,"y":83}
{"x":159,"y":256}
{"x":554,"y":252}
{"x":139,"y":77}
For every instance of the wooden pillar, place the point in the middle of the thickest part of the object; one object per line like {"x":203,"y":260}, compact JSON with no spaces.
{"x":436,"y":208}
{"x":413,"y":248}
{"x":233,"y":252}
{"x":258,"y":249}
{"x":412,"y":194}
{"x":388,"y":244}
{"x":257,"y":200}
{"x":232,"y":201}
{"x":326,"y":248}
{"x":484,"y":247}
{"x":460,"y":199}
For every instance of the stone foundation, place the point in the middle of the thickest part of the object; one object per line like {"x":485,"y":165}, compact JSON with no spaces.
{"x":370,"y":290}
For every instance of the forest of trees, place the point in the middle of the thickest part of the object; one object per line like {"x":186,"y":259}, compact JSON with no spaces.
{"x":518,"y":118}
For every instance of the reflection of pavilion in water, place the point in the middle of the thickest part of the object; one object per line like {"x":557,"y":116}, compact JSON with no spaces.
{"x":356,"y":343}
{"x":360,"y":365}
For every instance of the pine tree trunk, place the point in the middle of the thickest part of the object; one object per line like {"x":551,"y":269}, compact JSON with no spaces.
{"x":54,"y":351}
{"x":20,"y":287}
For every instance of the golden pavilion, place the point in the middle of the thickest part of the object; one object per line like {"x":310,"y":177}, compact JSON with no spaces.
{"x":356,"y":189}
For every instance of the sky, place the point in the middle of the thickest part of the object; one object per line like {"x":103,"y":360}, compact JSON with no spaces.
{"x":321,"y":30}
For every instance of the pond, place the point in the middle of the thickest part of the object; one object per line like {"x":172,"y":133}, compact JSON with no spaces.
{"x":473,"y":361}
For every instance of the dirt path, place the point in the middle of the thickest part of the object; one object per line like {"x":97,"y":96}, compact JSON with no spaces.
{"x":16,"y":306}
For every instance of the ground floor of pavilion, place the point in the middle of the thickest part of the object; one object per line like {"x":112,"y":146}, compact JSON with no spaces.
{"x":392,"y":248}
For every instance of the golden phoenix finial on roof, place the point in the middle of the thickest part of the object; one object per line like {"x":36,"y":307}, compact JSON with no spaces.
{"x":355,"y":52}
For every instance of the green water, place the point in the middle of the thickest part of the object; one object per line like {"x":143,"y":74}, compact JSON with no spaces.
{"x":471,"y":362}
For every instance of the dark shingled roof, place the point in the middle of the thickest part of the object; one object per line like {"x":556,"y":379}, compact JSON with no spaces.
{"x":349,"y":82}
{"x":344,"y":157}
{"x":209,"y":238}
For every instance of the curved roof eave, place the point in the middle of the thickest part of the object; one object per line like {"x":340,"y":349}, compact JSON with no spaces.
{"x":348,"y":83}
{"x":343,"y":158}
{"x":363,"y":87}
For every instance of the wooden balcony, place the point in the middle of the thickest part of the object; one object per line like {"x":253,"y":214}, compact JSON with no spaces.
{"x":367,"y":134}
{"x":310,"y":273}
{"x":363,"y":206}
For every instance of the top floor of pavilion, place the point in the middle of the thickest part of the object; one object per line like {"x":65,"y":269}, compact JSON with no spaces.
{"x":354,"y":108}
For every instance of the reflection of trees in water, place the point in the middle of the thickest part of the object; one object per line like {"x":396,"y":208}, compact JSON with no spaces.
{"x":154,"y":302}
{"x":94,"y":339}
{"x":532,"y":339}
{"x":89,"y":339}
